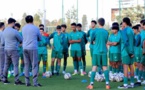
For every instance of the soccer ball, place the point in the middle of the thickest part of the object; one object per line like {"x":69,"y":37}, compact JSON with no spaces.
{"x":89,"y":74}
{"x":99,"y":78}
{"x":117,"y":78}
{"x":67,"y":76}
{"x":48,"y":74}
{"x":112,"y":78}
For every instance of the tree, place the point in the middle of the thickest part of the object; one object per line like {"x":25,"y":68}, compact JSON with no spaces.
{"x":134,"y":13}
{"x":37,"y":20}
{"x":84,"y":22}
{"x":23,"y":22}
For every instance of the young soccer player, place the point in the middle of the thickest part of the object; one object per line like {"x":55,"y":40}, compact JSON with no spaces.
{"x":11,"y":40}
{"x":65,"y":46}
{"x":127,"y":53}
{"x":2,"y":53}
{"x":137,"y":48}
{"x":17,"y":27}
{"x":30,"y":50}
{"x":57,"y":49}
{"x":83,"y":46}
{"x":115,"y":49}
{"x":42,"y":51}
{"x":142,"y":61}
{"x":100,"y":37}
{"x":75,"y":40}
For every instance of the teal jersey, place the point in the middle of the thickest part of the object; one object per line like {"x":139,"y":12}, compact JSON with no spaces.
{"x":75,"y":36}
{"x":127,"y":42}
{"x":20,"y":47}
{"x":42,"y":45}
{"x":117,"y":39}
{"x":58,"y":42}
{"x":83,"y":40}
{"x":142,"y":36}
{"x":89,"y":36}
{"x":137,"y":44}
{"x":100,"y":36}
{"x":50,"y":37}
{"x":65,"y":41}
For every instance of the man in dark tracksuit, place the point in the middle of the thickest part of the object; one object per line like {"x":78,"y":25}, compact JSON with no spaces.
{"x":31,"y":36}
{"x":2,"y":54}
{"x":11,"y":40}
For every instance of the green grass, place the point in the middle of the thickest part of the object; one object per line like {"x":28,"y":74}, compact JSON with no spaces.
{"x":59,"y":83}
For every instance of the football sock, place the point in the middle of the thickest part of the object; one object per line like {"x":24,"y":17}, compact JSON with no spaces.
{"x":75,"y":64}
{"x":106,"y":73}
{"x":44,"y":68}
{"x":52,"y":69}
{"x":140,"y":75}
{"x":144,"y":75}
{"x":80,"y":64}
{"x":64,"y":64}
{"x":136,"y":71}
{"x":132,"y":79}
{"x":58,"y":68}
{"x":125,"y":80}
{"x":22,"y":67}
{"x":92,"y":76}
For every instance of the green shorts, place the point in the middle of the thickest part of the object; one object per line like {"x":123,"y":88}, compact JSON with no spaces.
{"x":65,"y":54}
{"x":56,"y":54}
{"x":42,"y":57}
{"x":127,"y":60}
{"x":91,"y":52}
{"x":137,"y":58}
{"x":100,"y":60}
{"x":114,"y":57}
{"x":76,"y":53}
{"x":143,"y":60}
{"x":83,"y":52}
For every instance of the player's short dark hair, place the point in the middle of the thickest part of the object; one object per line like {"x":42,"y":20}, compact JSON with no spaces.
{"x":115,"y":27}
{"x":142,"y":21}
{"x":79,"y":25}
{"x":1,"y":24}
{"x":138,"y":25}
{"x":42,"y":29}
{"x":93,"y":21}
{"x":101,"y":21}
{"x":11,"y":20}
{"x":73,"y":24}
{"x":41,"y":25}
{"x":18,"y":25}
{"x":127,"y":21}
{"x":115,"y":23}
{"x":64,"y":26}
{"x":29,"y":19}
{"x":58,"y":27}
{"x":135,"y":27}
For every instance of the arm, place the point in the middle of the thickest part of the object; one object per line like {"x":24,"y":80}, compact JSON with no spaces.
{"x":138,"y":41}
{"x":18,"y":37}
{"x":93,"y":37}
{"x":39,"y":35}
{"x":143,"y":47}
{"x":85,"y":38}
{"x":2,"y":40}
{"x":131,"y":42}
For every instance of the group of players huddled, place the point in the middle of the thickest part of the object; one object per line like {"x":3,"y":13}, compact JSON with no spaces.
{"x":125,"y":47}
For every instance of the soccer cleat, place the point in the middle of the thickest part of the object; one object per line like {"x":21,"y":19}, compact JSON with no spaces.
{"x":143,"y":83}
{"x":63,"y":72}
{"x":43,"y":76}
{"x":21,"y":74}
{"x":6,"y":82}
{"x":84,"y":73}
{"x":28,"y":84}
{"x":19,"y":83}
{"x":54,"y":71}
{"x":90,"y":87}
{"x":75,"y":74}
{"x":130,"y":86}
{"x":38,"y":85}
{"x":122,"y":87}
{"x":137,"y":84}
{"x":107,"y":87}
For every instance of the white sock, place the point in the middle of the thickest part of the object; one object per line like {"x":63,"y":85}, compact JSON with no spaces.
{"x":138,"y":80}
{"x":81,"y":70}
{"x":91,"y":83}
{"x":107,"y":83}
{"x":132,"y":83}
{"x":75,"y":71}
{"x":125,"y":85}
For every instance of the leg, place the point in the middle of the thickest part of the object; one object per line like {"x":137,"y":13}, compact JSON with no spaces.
{"x":52,"y":65}
{"x":44,"y":58}
{"x":65,"y":61}
{"x":131,"y":74}
{"x":84,"y":63}
{"x":26,"y":66}
{"x":2,"y":61}
{"x":58,"y":66}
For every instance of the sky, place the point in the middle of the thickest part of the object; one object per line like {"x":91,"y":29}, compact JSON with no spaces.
{"x":16,"y":8}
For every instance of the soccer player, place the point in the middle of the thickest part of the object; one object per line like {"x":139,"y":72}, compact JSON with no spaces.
{"x":137,"y":48}
{"x":2,"y":53}
{"x":83,"y":46}
{"x":17,"y":27}
{"x":65,"y":46}
{"x":100,"y":37}
{"x":42,"y":51}
{"x":57,"y":49}
{"x":75,"y":40}
{"x":141,"y":23}
{"x":142,"y":61}
{"x":31,"y":36}
{"x":115,"y":49}
{"x":11,"y":40}
{"x":127,"y":53}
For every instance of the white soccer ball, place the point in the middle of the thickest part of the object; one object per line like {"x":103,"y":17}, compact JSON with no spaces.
{"x":89,"y":74}
{"x":117,"y":78}
{"x":98,"y":78}
{"x":67,"y":76}
{"x":48,"y":74}
{"x":112,"y":78}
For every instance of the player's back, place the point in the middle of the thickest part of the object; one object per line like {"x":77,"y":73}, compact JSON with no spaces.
{"x":31,"y":36}
{"x":101,"y":37}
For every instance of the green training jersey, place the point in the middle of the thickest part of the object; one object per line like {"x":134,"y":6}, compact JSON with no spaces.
{"x":117,"y":39}
{"x":66,"y":41}
{"x":89,"y":36}
{"x":137,"y":44}
{"x":58,"y":42}
{"x":20,"y":47}
{"x":100,"y":36}
{"x":42,"y":45}
{"x":75,"y":36}
{"x":142,"y":36}
{"x":83,"y":40}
